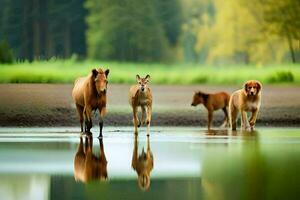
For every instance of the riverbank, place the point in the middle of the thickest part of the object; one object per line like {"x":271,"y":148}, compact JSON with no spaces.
{"x":24,"y":105}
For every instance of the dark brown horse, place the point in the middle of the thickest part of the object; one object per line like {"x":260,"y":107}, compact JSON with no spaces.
{"x":89,"y":93}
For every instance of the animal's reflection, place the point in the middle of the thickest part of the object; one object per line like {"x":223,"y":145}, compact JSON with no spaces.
{"x":225,"y":132}
{"x":220,"y":132}
{"x":88,"y":166}
{"x":142,"y":163}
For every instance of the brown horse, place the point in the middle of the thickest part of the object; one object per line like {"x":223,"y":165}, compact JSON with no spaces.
{"x":87,"y":166}
{"x":212,"y":102}
{"x":89,"y":93}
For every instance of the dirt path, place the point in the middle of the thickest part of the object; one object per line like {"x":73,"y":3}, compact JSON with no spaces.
{"x":51,"y":105}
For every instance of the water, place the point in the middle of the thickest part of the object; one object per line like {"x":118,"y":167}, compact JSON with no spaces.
{"x":181,"y":163}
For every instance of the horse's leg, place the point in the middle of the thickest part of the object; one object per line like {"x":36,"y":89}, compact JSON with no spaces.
{"x":80,"y":113}
{"x":225,"y":123}
{"x":88,"y":118}
{"x":101,"y":152}
{"x":102,"y":112}
{"x":80,"y":149}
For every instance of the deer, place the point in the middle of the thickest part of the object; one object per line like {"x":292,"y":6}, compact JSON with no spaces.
{"x":140,"y":95}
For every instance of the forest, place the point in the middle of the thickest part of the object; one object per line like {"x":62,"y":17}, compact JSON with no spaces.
{"x":211,"y":32}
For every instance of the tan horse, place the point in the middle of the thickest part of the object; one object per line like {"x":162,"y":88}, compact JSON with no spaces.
{"x":89,"y":93}
{"x":141,"y":95}
{"x":142,"y":164}
{"x":87,"y":166}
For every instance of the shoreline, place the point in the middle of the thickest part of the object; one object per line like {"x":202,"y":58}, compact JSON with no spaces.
{"x":51,"y":105}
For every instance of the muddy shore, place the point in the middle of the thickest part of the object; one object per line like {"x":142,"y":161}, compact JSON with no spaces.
{"x":25,"y":105}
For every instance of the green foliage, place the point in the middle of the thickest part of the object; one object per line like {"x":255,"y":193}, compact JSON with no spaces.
{"x":41,"y":29}
{"x":282,"y":18}
{"x":241,"y":31}
{"x":130,"y":30}
{"x":66,"y":71}
{"x":282,"y":77}
{"x":6,"y":53}
{"x":170,"y":15}
{"x":195,"y":31}
{"x":199,"y":79}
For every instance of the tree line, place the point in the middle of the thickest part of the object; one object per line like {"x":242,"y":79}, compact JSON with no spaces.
{"x":199,"y":31}
{"x":134,"y":30}
{"x":242,"y":31}
{"x":41,"y":29}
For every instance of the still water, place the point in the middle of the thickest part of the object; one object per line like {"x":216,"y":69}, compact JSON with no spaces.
{"x":172,"y":163}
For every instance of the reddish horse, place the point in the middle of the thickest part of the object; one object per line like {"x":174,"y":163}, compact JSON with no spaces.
{"x":89,"y":93}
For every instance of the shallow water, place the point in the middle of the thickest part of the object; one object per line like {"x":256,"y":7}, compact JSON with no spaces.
{"x":188,"y":163}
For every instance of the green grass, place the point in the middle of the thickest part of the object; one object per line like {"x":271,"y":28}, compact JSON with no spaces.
{"x":66,"y":71}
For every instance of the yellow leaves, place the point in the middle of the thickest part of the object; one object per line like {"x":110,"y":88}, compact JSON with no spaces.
{"x":235,"y":32}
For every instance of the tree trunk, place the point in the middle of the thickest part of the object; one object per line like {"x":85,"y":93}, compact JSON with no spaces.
{"x":49,"y":45}
{"x":25,"y":37}
{"x":291,"y":48}
{"x":36,"y":30}
{"x":67,"y":40}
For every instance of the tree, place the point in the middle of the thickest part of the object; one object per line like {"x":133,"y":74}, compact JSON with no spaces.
{"x":41,"y":29}
{"x":170,"y":15}
{"x":6,"y":54}
{"x":283,"y":19}
{"x":233,"y":31}
{"x":125,"y":30}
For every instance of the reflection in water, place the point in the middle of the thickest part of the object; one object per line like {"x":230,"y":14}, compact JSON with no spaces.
{"x":235,"y":172}
{"x":250,"y":165}
{"x":220,"y":132}
{"x":225,"y":132}
{"x":142,"y":164}
{"x":24,"y":187}
{"x":87,"y":166}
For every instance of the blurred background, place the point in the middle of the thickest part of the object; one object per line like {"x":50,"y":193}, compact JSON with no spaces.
{"x":214,"y":35}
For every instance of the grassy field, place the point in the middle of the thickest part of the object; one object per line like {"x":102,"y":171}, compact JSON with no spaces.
{"x":66,"y":71}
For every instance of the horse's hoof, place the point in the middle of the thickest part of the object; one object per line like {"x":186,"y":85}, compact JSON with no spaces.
{"x":88,"y":133}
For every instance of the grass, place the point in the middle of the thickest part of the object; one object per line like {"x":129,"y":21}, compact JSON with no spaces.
{"x":66,"y":71}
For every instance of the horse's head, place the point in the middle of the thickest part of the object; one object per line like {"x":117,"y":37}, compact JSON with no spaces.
{"x":100,"y":78}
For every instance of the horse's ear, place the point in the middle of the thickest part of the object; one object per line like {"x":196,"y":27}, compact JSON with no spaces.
{"x":199,"y":93}
{"x":106,"y":72}
{"x":138,"y":78}
{"x":95,"y":73}
{"x":147,"y":78}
